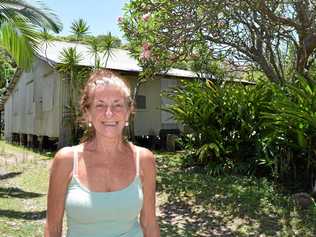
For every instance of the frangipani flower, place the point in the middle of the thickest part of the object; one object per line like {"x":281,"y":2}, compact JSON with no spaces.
{"x":146,"y":17}
{"x":146,"y":52}
{"x":146,"y":46}
{"x":145,"y":55}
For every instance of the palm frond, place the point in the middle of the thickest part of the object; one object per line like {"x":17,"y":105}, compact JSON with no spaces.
{"x":19,"y":39}
{"x":37,"y":14}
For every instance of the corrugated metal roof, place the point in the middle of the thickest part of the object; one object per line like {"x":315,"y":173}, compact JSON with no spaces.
{"x":119,"y":59}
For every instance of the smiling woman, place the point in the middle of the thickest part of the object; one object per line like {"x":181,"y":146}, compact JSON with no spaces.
{"x":105,"y":184}
{"x":106,"y":97}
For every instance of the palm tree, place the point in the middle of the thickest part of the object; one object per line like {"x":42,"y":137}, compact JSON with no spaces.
{"x":70,"y":58}
{"x":46,"y":40}
{"x":94,"y":49}
{"x":79,"y":28}
{"x":109,"y":42}
{"x":19,"y":24}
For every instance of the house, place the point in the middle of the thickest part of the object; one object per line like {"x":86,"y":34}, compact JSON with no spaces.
{"x":34,"y":103}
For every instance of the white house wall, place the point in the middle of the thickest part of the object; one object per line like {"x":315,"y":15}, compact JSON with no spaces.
{"x":8,"y":119}
{"x":32,"y":107}
{"x":167,"y":122}
{"x":148,"y":120}
{"x":47,"y":105}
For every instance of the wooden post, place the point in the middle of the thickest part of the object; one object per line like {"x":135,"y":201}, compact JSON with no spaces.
{"x":171,"y":142}
{"x":30,"y":142}
{"x":20,"y":139}
{"x":40,"y":140}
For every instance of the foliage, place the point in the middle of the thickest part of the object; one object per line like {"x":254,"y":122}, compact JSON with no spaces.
{"x":7,"y":69}
{"x":224,"y":121}
{"x":107,"y":46}
{"x":75,"y":75}
{"x":247,"y":34}
{"x":292,"y":122}
{"x":100,"y":40}
{"x":79,"y":28}
{"x":19,"y":24}
{"x":266,"y":129}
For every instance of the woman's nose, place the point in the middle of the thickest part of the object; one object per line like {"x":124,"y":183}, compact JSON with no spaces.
{"x":108,"y":111}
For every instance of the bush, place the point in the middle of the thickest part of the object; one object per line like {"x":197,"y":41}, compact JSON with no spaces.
{"x":266,"y":129}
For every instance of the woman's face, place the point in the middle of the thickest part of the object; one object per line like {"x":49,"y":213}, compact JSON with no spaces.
{"x":108,"y":111}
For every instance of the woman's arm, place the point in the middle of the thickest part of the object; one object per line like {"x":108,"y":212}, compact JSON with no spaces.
{"x":148,"y":218}
{"x":60,"y":174}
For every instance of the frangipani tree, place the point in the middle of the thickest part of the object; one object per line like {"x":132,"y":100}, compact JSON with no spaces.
{"x":256,"y":34}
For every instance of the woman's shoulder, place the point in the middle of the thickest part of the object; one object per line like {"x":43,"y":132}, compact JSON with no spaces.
{"x":62,"y":166}
{"x":146,"y":156}
{"x":65,"y":153}
{"x":64,"y":157}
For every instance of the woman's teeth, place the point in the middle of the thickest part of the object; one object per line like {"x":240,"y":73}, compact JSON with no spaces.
{"x":110,"y":123}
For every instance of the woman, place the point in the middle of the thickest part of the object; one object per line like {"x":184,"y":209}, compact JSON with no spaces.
{"x":105,"y":184}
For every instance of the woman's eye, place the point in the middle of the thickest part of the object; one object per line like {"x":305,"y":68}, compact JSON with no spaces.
{"x":99,"y":105}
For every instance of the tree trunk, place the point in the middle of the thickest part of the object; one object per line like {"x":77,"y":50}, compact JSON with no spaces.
{"x":304,"y":52}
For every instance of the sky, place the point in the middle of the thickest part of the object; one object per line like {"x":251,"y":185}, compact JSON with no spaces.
{"x":100,"y":15}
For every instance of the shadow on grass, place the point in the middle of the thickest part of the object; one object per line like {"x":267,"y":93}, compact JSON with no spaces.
{"x":178,"y":218}
{"x":200,"y":205}
{"x":14,"y":192}
{"x":182,"y":215}
{"x":9,"y":175}
{"x":36,"y":215}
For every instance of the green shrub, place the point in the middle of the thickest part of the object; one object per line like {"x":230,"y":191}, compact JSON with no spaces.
{"x":266,"y":129}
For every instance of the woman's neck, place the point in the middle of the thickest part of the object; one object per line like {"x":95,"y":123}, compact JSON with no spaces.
{"x":107,"y":145}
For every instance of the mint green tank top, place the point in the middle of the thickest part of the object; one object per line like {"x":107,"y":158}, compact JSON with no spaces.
{"x":103,"y":214}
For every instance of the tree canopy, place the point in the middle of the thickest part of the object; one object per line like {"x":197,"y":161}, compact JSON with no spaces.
{"x":265,"y":35}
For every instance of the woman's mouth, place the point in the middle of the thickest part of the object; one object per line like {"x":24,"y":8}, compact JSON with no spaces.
{"x":110,"y":124}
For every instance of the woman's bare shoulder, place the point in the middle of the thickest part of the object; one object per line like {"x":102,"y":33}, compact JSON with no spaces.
{"x":63,"y":159}
{"x":147,"y":157}
{"x":65,"y":153}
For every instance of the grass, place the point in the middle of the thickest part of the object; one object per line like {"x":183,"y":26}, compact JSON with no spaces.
{"x":190,"y":203}
{"x":23,"y":186}
{"x":194,"y":204}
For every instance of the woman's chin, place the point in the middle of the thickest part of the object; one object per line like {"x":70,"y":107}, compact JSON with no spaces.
{"x":110,"y":133}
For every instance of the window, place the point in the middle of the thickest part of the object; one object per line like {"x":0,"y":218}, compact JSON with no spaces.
{"x":140,"y":102}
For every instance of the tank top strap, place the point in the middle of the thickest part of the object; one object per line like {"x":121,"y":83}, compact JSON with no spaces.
{"x":75,"y":163}
{"x":137,"y":160}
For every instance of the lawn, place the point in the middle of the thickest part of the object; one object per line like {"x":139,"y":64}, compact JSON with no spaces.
{"x":190,"y":203}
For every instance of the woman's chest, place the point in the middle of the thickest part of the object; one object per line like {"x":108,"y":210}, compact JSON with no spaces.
{"x":93,"y":206}
{"x":106,"y":177}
